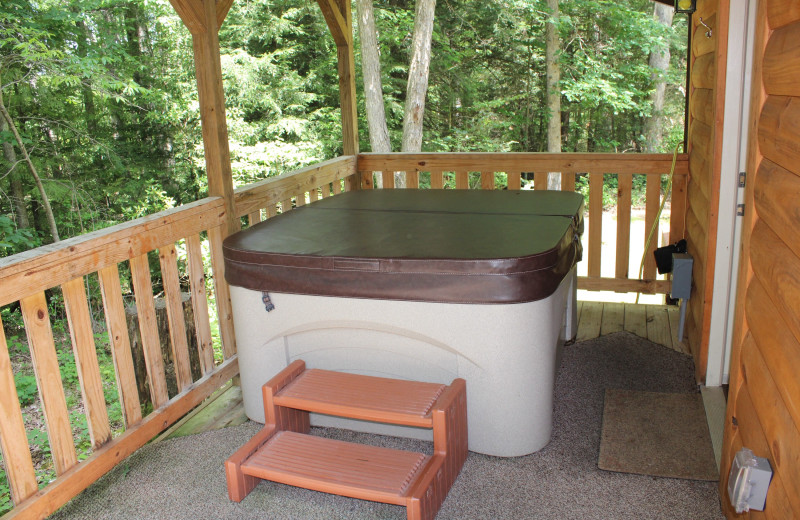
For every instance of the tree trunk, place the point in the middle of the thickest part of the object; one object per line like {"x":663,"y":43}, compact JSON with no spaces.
{"x":659,"y":63}
{"x":418,"y":76}
{"x":553,"y":71}
{"x":17,"y":191}
{"x":45,"y":200}
{"x":373,"y":86}
{"x":162,"y":324}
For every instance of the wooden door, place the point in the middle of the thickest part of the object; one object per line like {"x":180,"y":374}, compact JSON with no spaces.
{"x":764,"y":395}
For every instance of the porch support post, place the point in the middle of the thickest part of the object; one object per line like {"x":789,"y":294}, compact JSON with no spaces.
{"x":338,"y":15}
{"x":203,"y":19}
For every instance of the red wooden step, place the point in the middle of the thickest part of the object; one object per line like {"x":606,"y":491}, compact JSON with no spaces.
{"x":369,"y":398}
{"x":284,"y":452}
{"x":342,"y":468}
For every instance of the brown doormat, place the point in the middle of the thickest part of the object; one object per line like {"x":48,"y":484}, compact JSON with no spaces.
{"x":652,"y":433}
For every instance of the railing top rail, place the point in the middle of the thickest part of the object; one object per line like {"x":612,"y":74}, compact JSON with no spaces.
{"x":250,"y":197}
{"x":53,"y":264}
{"x":639,"y":163}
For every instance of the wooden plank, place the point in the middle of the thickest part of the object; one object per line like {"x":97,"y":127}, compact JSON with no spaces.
{"x":701,"y":105}
{"x":613,"y":318}
{"x":222,"y":410}
{"x":313,"y":195}
{"x":83,"y":347}
{"x":776,"y":195}
{"x":170,"y":277}
{"x":13,"y":439}
{"x":222,"y":292}
{"x":706,"y":9}
{"x":337,"y":187}
{"x":286,"y":205}
{"x":540,"y":180}
{"x":779,"y":428}
{"x":779,"y":348}
{"x":658,"y":330}
{"x":624,"y":189}
{"x":678,"y":343}
{"x":514,"y":181}
{"x":693,"y":338}
{"x":629,"y":285}
{"x":437,"y":180}
{"x":704,"y":71}
{"x":781,"y":65}
{"x":80,"y":477}
{"x":677,"y":213}
{"x":151,"y":344}
{"x":51,"y":265}
{"x":120,"y":345}
{"x":388,"y":179}
{"x":48,"y":378}
{"x":702,"y":140}
{"x":591,"y":321}
{"x":191,"y":14}
{"x":651,"y":225}
{"x":274,"y":189}
{"x":782,"y":12}
{"x":462,"y":180}
{"x":568,"y":181}
{"x":636,"y":319}
{"x":779,"y":132}
{"x":595,"y":223}
{"x":650,"y":164}
{"x":753,"y":436}
{"x":778,"y":269}
{"x":487,"y":180}
{"x":412,"y":179}
{"x":197,"y":289}
{"x":254,"y":218}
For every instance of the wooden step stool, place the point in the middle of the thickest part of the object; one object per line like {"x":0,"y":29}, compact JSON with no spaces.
{"x":284,"y":452}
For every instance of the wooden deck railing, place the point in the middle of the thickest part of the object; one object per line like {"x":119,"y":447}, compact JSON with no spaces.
{"x":491,"y":170}
{"x":25,"y":277}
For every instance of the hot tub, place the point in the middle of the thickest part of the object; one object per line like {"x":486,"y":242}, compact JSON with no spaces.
{"x":427,"y":285}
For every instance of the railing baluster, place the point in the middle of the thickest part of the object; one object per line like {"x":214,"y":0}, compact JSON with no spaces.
{"x":412,"y":179}
{"x":197,"y":286}
{"x":624,"y":188}
{"x":595,"y":223}
{"x":567,"y":181}
{"x":437,"y":180}
{"x":540,"y":180}
{"x":487,"y":180}
{"x":13,"y":439}
{"x":48,"y":378}
{"x":514,"y":181}
{"x":388,"y":180}
{"x":175,"y":315}
{"x":653,"y":202}
{"x":80,"y":329}
{"x":286,"y":205}
{"x":313,"y":195}
{"x":677,"y":209}
{"x":151,"y":345}
{"x":120,"y":344}
{"x":222,"y":292}
{"x":254,"y":218}
{"x":462,"y":180}
{"x":337,"y":187}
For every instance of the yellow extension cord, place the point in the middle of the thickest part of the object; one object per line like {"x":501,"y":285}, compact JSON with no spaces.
{"x":658,"y":215}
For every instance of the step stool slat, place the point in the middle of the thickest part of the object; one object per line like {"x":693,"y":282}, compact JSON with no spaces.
{"x":290,"y":455}
{"x":362,"y":397}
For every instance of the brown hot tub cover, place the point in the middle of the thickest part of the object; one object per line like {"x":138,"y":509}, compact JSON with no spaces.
{"x":456,"y":246}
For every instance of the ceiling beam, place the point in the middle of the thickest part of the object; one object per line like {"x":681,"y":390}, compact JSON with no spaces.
{"x":191,"y":13}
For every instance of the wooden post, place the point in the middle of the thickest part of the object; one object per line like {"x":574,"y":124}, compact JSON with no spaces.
{"x":338,"y":16}
{"x":203,"y":19}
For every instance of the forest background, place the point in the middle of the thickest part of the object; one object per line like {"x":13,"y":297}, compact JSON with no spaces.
{"x":104,"y":100}
{"x":100,"y":124}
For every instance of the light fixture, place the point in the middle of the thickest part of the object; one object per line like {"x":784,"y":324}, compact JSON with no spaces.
{"x":685,"y":6}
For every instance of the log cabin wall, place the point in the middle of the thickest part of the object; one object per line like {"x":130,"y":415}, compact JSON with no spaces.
{"x":764,"y":396}
{"x":706,"y":98}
